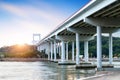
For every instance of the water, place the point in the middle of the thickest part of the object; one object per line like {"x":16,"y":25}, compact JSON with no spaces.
{"x":40,"y":71}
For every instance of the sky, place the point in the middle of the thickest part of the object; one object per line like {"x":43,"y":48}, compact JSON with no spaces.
{"x":19,"y":19}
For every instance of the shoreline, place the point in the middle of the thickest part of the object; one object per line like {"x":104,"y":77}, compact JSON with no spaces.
{"x":23,"y":59}
{"x":46,"y":59}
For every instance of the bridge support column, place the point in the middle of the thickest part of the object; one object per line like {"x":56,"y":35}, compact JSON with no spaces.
{"x":54,"y":50}
{"x":110,"y":49}
{"x":59,"y":49}
{"x":51,"y":50}
{"x":77,"y":49}
{"x":66,"y":50}
{"x":38,"y":48}
{"x":99,"y":47}
{"x":86,"y":51}
{"x":73,"y":51}
{"x":63,"y":52}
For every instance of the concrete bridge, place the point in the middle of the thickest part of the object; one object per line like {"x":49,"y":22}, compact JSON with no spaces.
{"x":95,"y":18}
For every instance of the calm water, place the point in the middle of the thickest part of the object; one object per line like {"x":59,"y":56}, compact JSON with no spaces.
{"x":39,"y":71}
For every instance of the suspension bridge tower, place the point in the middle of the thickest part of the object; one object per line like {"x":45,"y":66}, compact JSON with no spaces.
{"x":36,"y":38}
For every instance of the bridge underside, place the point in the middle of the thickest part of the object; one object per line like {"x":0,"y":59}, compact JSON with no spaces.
{"x":97,"y":17}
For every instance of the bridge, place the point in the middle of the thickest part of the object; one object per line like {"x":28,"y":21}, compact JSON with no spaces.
{"x":95,"y":18}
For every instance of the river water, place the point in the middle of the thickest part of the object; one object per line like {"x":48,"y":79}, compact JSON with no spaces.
{"x":40,"y":71}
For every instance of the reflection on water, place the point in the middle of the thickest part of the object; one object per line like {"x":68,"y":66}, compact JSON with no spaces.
{"x":39,"y":71}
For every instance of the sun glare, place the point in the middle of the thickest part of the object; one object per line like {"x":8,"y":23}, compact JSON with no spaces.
{"x":21,"y":45}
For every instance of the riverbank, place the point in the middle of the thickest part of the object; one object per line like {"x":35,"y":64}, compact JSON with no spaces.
{"x":23,"y":59}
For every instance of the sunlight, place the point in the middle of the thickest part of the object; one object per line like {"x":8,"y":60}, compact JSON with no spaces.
{"x":21,"y":44}
{"x":21,"y":51}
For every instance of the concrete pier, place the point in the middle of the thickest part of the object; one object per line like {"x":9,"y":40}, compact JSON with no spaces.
{"x":67,"y":63}
{"x":91,"y":66}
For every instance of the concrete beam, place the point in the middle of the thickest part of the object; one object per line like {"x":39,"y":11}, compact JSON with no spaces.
{"x":82,"y":30}
{"x":51,"y":39}
{"x":109,"y":30}
{"x":104,"y":21}
{"x":72,"y":38}
{"x":89,"y":9}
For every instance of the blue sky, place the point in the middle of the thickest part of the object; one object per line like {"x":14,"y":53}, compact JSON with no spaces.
{"x":19,"y":19}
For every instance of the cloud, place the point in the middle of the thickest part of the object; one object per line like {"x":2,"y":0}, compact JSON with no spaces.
{"x":13,"y":9}
{"x":32,"y":12}
{"x":26,"y":20}
{"x":33,"y":16}
{"x":29,"y":14}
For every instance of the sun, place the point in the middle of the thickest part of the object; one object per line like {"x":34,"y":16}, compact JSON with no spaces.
{"x":20,"y":42}
{"x":21,"y":45}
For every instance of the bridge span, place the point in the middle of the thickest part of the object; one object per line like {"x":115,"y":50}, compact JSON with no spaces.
{"x":95,"y":18}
